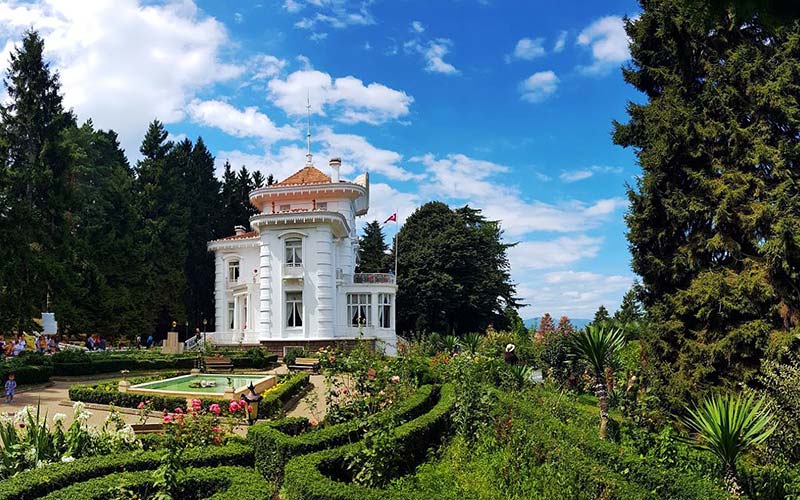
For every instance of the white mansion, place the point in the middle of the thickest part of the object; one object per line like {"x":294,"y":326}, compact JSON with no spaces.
{"x":291,"y":280}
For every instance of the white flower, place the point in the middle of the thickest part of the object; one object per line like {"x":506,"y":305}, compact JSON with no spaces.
{"x":59,"y":417}
{"x":67,"y":459}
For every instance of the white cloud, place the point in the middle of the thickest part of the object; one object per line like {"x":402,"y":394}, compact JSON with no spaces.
{"x":539,"y":86}
{"x":561,"y":41}
{"x":585,"y":173}
{"x":434,"y":51}
{"x":238,"y":17}
{"x":551,"y":254}
{"x":317,"y":36}
{"x":384,"y":200}
{"x":335,"y":13}
{"x":106,"y":72}
{"x":461,"y":179}
{"x":577,"y":294}
{"x":239,"y":123}
{"x":609,"y":43}
{"x":527,"y":49}
{"x":264,"y":66}
{"x":351,"y":100}
{"x":417,"y":27}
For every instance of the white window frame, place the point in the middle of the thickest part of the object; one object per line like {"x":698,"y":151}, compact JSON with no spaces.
{"x":385,"y":303}
{"x":359,"y":305}
{"x":322,"y":205}
{"x":234,"y":264}
{"x":231,"y":315}
{"x":284,"y":208}
{"x":293,"y":252}
{"x":293,"y":309}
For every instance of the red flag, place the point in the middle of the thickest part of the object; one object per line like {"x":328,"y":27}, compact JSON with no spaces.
{"x":392,"y":218}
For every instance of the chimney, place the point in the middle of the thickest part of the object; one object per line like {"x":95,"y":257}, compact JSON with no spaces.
{"x":239,"y":230}
{"x":335,"y":163}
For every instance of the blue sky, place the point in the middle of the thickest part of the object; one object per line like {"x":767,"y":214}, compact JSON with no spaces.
{"x":505,"y":105}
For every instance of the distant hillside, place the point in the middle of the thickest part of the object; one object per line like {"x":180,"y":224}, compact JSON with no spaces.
{"x":576,"y":322}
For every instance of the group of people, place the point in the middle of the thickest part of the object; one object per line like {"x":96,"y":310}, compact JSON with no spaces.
{"x":44,"y":344}
{"x":95,"y":343}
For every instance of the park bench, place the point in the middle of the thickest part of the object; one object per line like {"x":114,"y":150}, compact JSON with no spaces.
{"x":218,"y":364}
{"x":311,"y":364}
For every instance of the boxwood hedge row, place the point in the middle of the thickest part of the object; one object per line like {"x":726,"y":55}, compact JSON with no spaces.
{"x":39,"y":482}
{"x":220,"y":483}
{"x":89,"y":364}
{"x":106,"y":393}
{"x":322,"y":475}
{"x":274,"y":443}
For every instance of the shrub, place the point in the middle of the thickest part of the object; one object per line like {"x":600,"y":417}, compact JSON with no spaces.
{"x":221,"y":483}
{"x":36,"y":483}
{"x":275,"y":399}
{"x":292,"y":355}
{"x":307,"y":477}
{"x":274,"y":443}
{"x":26,"y":374}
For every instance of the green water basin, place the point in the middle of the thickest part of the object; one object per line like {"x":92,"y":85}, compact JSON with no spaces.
{"x":190,"y":386}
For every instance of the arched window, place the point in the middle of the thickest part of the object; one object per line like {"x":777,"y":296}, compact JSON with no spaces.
{"x":294,"y":252}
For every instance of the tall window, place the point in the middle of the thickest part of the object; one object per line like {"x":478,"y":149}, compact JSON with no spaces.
{"x":294,"y":309}
{"x":322,"y":205}
{"x":231,"y":314}
{"x":359,"y":309}
{"x":294,"y":252}
{"x":233,"y":271}
{"x":384,"y":310}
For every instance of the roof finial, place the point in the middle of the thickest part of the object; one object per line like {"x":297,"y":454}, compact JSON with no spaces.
{"x":308,"y":133}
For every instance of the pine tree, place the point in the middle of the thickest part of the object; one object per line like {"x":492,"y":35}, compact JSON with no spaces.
{"x":258,"y":179}
{"x":34,"y":188}
{"x":565,"y":326}
{"x":372,"y":250}
{"x":229,"y":201}
{"x":713,"y":225}
{"x":629,"y":310}
{"x":601,"y":317}
{"x":546,"y":326}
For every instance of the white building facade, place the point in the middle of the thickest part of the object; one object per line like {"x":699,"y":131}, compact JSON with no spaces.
{"x":290,"y":281}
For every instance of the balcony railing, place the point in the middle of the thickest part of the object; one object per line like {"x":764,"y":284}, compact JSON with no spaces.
{"x":292,"y":271}
{"x":380,"y":278}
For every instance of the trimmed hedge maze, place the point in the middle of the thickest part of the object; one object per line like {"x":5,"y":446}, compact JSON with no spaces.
{"x":274,"y":443}
{"x":40,"y":482}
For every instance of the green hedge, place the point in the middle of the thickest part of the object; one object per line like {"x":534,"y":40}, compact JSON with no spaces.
{"x":308,"y":477}
{"x":39,"y":482}
{"x":26,"y":374}
{"x":274,"y":401}
{"x":221,"y":483}
{"x":274,"y":443}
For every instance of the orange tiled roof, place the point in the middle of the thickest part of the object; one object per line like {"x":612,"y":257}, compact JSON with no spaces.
{"x":248,"y":234}
{"x":306,"y":175}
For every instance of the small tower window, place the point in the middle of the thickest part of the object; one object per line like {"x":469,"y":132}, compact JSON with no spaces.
{"x":233,"y":271}
{"x":294,"y":252}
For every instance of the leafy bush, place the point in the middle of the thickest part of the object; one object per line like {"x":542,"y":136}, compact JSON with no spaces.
{"x":292,"y":355}
{"x":36,"y":483}
{"x":274,"y":443}
{"x":26,"y":374}
{"x":220,"y":483}
{"x":276,"y":398}
{"x":781,"y":389}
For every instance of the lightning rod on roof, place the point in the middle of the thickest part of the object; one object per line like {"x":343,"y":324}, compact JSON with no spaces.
{"x":308,"y":133}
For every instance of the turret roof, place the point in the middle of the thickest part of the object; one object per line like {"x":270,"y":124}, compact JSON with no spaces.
{"x":306,"y":175}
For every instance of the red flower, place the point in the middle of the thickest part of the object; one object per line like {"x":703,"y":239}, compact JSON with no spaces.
{"x":141,"y":405}
{"x":168,"y":418}
{"x":234,"y":406}
{"x":214,"y":408}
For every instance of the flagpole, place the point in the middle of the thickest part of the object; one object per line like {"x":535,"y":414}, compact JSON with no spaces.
{"x":396,"y":233}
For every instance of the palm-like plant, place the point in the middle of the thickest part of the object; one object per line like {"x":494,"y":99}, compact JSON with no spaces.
{"x":450,"y":342}
{"x":472,"y":342}
{"x":727,"y":426}
{"x":598,"y":346}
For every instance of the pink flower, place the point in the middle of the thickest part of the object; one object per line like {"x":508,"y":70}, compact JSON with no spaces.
{"x":196,"y":404}
{"x":179,"y":411}
{"x":313,"y":422}
{"x":234,"y":406}
{"x":395,"y":379}
{"x":214,"y":408}
{"x":168,"y":418}
{"x":216,"y":430}
{"x":141,"y":405}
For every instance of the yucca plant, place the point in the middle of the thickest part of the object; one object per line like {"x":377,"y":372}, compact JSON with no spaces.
{"x":598,"y":346}
{"x":450,"y":342}
{"x":520,"y":375}
{"x":472,"y":342}
{"x":727,"y":426}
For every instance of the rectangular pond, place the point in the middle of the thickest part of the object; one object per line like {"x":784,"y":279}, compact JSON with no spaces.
{"x":206,"y":386}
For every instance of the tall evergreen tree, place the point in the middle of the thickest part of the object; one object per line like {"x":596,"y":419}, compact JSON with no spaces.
{"x":453,"y":272}
{"x":629,"y":310}
{"x":372,"y":250}
{"x":546,"y":326}
{"x":258,"y":179}
{"x":714,"y":220}
{"x":601,"y":317}
{"x":34,"y":187}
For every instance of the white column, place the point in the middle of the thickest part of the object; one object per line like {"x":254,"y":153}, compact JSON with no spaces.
{"x":219,"y":293}
{"x":325,"y":284}
{"x":265,"y":292}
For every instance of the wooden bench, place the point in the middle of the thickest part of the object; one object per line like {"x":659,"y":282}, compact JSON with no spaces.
{"x":311,"y":364}
{"x":218,"y":364}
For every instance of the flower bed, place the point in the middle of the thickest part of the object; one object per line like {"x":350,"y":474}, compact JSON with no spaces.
{"x":274,"y":443}
{"x":220,"y":483}
{"x":36,"y":483}
{"x":322,"y":475}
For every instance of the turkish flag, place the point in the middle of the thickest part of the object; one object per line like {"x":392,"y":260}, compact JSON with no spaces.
{"x":392,"y":218}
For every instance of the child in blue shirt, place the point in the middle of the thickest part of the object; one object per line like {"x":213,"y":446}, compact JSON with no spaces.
{"x":11,"y":386}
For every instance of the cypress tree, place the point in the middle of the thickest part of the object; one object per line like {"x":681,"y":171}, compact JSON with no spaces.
{"x":372,"y":250}
{"x":713,"y":225}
